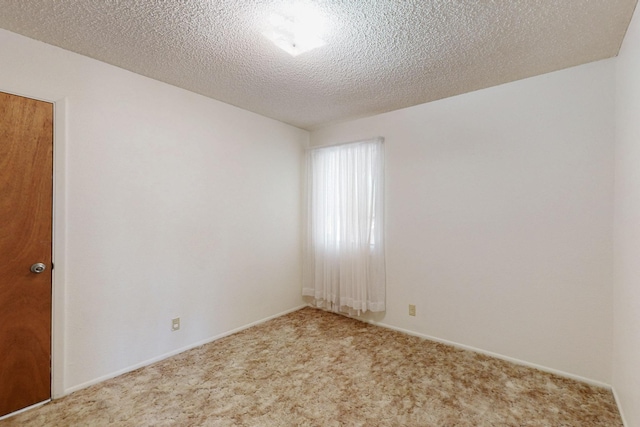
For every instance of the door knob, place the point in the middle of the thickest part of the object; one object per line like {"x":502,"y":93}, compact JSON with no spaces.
{"x":38,"y":268}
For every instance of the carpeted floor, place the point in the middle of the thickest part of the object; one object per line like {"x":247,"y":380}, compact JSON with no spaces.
{"x":312,"y":368}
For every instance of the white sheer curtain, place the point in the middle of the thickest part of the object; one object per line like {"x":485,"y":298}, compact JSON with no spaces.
{"x":344,"y":265}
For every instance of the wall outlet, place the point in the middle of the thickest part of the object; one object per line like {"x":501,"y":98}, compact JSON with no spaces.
{"x":412,"y":310}
{"x":175,"y":324}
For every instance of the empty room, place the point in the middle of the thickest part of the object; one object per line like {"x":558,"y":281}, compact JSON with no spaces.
{"x":320,"y":213}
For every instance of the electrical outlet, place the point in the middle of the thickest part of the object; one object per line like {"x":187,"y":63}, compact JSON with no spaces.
{"x":175,"y":324}
{"x":412,"y":310}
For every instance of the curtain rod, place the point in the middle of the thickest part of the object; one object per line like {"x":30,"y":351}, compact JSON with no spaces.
{"x":337,"y":144}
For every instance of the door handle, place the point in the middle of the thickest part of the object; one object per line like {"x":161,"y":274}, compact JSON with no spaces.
{"x":38,"y":268}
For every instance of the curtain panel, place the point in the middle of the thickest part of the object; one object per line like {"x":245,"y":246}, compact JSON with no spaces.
{"x":344,"y":261}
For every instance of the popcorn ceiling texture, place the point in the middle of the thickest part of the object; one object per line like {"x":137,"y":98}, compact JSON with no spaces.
{"x":380,"y":55}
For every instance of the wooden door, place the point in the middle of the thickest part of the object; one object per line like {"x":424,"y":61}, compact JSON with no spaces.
{"x":26,"y":192}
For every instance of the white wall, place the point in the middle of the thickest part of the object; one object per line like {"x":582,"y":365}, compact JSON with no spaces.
{"x":499,"y":207}
{"x":626,"y":353}
{"x":499,"y":215}
{"x":176,"y":205}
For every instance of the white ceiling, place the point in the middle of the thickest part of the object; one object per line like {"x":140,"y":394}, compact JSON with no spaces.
{"x":380,"y":55}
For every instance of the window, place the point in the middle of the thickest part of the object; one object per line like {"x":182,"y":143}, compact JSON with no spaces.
{"x":344,"y":267}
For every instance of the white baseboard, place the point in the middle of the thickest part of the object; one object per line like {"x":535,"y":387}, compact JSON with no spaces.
{"x":384,"y":325}
{"x":496,"y":355}
{"x":175,"y":352}
{"x":619,"y":405}
{"x":506,"y":358}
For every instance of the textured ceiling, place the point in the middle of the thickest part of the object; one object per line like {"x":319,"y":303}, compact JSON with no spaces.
{"x":380,"y":55}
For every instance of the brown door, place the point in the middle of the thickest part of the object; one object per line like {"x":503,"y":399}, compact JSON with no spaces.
{"x":26,"y":192}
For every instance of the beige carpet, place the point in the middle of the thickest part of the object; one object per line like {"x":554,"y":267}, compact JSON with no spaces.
{"x":312,"y":368}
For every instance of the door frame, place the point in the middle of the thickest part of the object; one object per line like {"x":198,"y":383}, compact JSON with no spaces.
{"x":58,"y":245}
